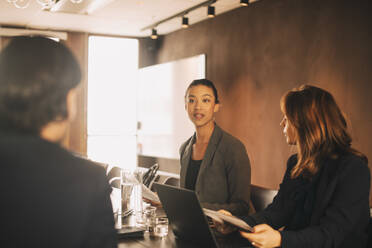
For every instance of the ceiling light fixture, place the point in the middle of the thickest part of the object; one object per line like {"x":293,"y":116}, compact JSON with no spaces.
{"x":185,"y":22}
{"x":86,"y":7}
{"x":211,"y":11}
{"x":180,"y":14}
{"x":154,"y":34}
{"x":45,"y":4}
{"x":244,"y":2}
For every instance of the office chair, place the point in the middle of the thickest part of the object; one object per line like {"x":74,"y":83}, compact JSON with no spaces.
{"x":261,"y":197}
{"x":114,"y":176}
{"x":172,"y":181}
{"x":114,"y":179}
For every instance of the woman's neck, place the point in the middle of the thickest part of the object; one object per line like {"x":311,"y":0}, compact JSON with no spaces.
{"x":55,"y":131}
{"x":204,"y":133}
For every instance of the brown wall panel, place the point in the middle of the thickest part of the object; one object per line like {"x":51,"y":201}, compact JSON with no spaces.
{"x":77,"y":134}
{"x":255,"y":54}
{"x":147,"y":49}
{"x":3,"y":41}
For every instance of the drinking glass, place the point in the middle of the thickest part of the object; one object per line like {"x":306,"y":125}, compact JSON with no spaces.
{"x":149,"y":215}
{"x":161,"y":227}
{"x":131,"y":195}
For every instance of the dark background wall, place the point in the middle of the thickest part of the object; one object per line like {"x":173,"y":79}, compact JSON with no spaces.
{"x":255,"y":54}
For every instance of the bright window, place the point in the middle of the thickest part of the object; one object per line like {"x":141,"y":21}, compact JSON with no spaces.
{"x":112,"y":102}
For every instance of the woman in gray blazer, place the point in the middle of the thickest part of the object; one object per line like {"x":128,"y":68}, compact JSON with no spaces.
{"x":213,"y":163}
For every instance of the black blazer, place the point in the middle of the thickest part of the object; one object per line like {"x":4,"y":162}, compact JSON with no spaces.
{"x":224,"y":177}
{"x":50,"y":198}
{"x":340,"y":213}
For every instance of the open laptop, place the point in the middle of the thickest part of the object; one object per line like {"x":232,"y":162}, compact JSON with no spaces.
{"x":185,"y":215}
{"x":188,"y":221}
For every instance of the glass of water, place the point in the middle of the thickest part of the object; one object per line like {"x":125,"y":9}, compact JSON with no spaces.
{"x":149,"y":214}
{"x":131,"y":194}
{"x":161,"y":227}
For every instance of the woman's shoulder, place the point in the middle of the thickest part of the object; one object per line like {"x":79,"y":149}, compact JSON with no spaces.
{"x":352,"y":158}
{"x":292,"y":161}
{"x":346,"y":166}
{"x":230,"y":140}
{"x":231,"y":145}
{"x":352,"y":162}
{"x":184,"y":144}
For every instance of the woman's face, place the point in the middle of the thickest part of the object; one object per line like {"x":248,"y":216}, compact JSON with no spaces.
{"x":200,"y":105}
{"x":289,"y":131}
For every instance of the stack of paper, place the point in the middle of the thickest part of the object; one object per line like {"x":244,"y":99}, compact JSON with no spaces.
{"x":149,"y":195}
{"x":221,"y":218}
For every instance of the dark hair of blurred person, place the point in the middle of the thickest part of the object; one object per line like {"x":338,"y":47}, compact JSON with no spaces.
{"x":36,"y":76}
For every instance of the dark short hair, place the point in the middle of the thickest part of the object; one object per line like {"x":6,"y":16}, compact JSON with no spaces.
{"x":207,"y":83}
{"x":36,"y":74}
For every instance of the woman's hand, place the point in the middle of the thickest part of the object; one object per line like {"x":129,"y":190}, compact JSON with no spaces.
{"x":263,"y":236}
{"x":156,"y":204}
{"x":223,"y":227}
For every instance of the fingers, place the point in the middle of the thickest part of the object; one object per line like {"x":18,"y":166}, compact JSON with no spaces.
{"x":263,"y":236}
{"x":261,"y":228}
{"x":249,"y":236}
{"x":157,"y":204}
{"x":225,"y":212}
{"x":255,"y":244}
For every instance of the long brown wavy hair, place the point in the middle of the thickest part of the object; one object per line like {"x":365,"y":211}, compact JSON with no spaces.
{"x":320,"y":128}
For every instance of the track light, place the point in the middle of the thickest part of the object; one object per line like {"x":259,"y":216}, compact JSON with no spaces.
{"x":185,"y":22}
{"x":244,"y":2}
{"x":154,"y":34}
{"x":211,"y":11}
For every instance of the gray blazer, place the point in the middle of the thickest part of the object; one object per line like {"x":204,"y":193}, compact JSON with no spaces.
{"x":225,"y":173}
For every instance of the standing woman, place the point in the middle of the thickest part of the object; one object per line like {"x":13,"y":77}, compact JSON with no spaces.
{"x":213,"y":163}
{"x":323,"y":200}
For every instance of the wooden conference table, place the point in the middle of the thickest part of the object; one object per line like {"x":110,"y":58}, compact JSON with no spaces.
{"x":170,"y":241}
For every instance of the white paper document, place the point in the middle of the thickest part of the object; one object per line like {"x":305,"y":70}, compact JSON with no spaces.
{"x":219,"y":217}
{"x":149,"y":195}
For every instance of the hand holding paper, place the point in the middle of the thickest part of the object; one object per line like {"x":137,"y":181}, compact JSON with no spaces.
{"x":263,"y":236}
{"x":149,"y":195}
{"x":222,"y":218}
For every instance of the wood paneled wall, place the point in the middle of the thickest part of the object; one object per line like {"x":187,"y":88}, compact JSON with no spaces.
{"x":76,"y":139}
{"x":3,"y":41}
{"x":257,"y":53}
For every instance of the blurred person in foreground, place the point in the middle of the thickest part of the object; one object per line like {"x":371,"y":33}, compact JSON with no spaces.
{"x":49,"y":197}
{"x":323,"y":200}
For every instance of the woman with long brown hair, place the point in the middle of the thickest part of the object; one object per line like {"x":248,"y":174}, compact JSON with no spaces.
{"x":323,"y":200}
